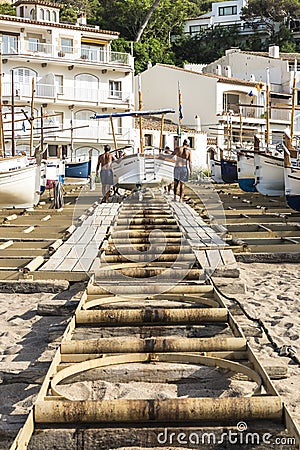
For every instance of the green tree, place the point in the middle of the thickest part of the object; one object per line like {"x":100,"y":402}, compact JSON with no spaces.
{"x":7,"y":9}
{"x":271,"y":12}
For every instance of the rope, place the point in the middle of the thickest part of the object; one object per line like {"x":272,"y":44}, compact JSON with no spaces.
{"x":284,"y":350}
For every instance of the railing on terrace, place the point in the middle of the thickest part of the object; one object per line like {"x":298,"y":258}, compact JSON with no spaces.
{"x":96,"y":55}
{"x":81,"y":92}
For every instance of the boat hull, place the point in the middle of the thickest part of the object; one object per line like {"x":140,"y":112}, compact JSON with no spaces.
{"x":269,"y":175}
{"x":55,"y":171}
{"x":229,"y":171}
{"x":215,"y":168}
{"x":80,"y":169}
{"x":20,"y":188}
{"x":246,"y":172}
{"x":292,"y":187}
{"x":134,"y":171}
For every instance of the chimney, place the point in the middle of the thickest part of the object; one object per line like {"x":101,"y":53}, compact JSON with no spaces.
{"x":197,"y":123}
{"x":228,"y":72}
{"x":274,"y":51}
{"x":219,"y":69}
{"x":81,"y":18}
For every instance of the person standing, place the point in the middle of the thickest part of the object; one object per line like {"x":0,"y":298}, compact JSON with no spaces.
{"x":181,"y":169}
{"x":106,"y":174}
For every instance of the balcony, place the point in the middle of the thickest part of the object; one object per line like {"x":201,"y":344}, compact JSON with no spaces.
{"x":95,"y":55}
{"x":78,"y":92}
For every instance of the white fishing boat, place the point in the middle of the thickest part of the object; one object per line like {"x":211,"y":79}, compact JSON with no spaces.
{"x":148,"y":167}
{"x":19,"y":183}
{"x":269,"y":174}
{"x":215,"y":166}
{"x":246,"y":171}
{"x":291,"y":179}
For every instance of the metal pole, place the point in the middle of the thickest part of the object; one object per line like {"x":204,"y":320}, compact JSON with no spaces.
{"x":113,"y":132}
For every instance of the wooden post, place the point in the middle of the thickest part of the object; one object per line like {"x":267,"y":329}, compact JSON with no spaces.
{"x":13,"y":145}
{"x":268,"y":109}
{"x":161,"y":131}
{"x":32,"y":119}
{"x":113,"y":132}
{"x":140,"y":117}
{"x":294,"y":91}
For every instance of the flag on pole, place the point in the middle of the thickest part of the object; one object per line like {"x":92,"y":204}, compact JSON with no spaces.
{"x":180,"y":104}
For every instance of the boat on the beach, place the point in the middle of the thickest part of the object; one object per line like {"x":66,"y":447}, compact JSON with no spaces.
{"x":19,"y":182}
{"x":228,"y":168}
{"x":77,"y":169}
{"x":215,"y":165}
{"x":246,"y":171}
{"x":144,"y":167}
{"x":291,"y":177}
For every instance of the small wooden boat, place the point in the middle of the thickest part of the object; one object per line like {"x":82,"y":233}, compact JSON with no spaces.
{"x":78,"y":169}
{"x":246,"y":168}
{"x":19,"y":183}
{"x":147,"y":167}
{"x":291,"y":180}
{"x":54,"y":172}
{"x":215,"y":166}
{"x":269,"y":174}
{"x":228,"y":169}
{"x":246,"y":171}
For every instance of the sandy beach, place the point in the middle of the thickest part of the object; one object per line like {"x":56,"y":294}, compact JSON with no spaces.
{"x":272,"y":294}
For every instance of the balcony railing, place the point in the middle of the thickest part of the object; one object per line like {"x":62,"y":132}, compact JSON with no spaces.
{"x":80,"y":92}
{"x":92,"y":55}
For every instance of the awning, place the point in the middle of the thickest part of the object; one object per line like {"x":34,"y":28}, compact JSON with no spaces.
{"x":93,"y":41}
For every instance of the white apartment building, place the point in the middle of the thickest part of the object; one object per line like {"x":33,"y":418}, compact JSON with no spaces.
{"x":255,"y":66}
{"x":75,"y":73}
{"x":219,"y":103}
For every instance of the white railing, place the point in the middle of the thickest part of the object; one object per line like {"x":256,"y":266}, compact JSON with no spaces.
{"x":72,"y":93}
{"x":93,"y":55}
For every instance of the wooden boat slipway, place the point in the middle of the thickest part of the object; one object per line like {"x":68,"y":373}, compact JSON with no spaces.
{"x":146,"y":167}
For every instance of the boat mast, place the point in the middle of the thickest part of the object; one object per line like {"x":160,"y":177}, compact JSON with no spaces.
{"x":32,"y":119}
{"x":140,"y":117}
{"x":71,"y":123}
{"x":293,"y":100}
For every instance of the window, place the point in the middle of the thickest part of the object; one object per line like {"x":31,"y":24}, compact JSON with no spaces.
{"x":48,"y":15}
{"x":231,"y":102}
{"x":59,"y":83}
{"x":24,"y":75}
{"x":54,"y":16}
{"x":42,"y":14}
{"x":196,"y":29}
{"x":115,"y":89}
{"x":148,"y":140}
{"x":9,"y":44}
{"x":33,"y":44}
{"x":66,"y":45}
{"x":228,"y":10}
{"x":33,"y":14}
{"x":86,"y":87}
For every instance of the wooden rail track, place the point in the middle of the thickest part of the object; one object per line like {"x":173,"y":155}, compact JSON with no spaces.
{"x":257,"y":228}
{"x":152,"y":355}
